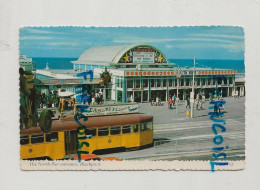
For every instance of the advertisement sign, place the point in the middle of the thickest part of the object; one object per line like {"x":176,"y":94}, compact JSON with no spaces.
{"x":143,"y":57}
{"x":112,"y":109}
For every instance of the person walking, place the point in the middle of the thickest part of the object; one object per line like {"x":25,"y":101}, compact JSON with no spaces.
{"x":200,"y":101}
{"x":170,"y":103}
{"x":188,"y":102}
{"x":203,"y":96}
{"x":157,"y":101}
{"x":197,"y":101}
{"x":173,"y":100}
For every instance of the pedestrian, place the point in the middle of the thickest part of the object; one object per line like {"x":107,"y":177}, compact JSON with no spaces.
{"x":216,"y":110}
{"x":188,"y":102}
{"x":210,"y":96}
{"x":203,"y":96}
{"x":200,"y":101}
{"x":197,"y":101}
{"x":156,"y":101}
{"x":170,"y":103}
{"x":173,"y":100}
{"x":93,"y":100}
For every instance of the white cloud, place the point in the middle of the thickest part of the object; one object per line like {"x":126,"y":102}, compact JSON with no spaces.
{"x":231,"y":47}
{"x":36,"y":38}
{"x":152,"y":40}
{"x":168,"y":46}
{"x":38,"y":31}
{"x":220,"y":36}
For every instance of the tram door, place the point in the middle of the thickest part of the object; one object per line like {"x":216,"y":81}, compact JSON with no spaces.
{"x":71,"y":142}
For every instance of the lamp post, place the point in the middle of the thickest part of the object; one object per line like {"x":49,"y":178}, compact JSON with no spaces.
{"x":192,"y":92}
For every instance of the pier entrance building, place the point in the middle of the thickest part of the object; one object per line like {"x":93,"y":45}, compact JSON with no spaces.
{"x":142,"y":72}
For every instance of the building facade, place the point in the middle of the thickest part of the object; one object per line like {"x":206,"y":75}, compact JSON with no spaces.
{"x":141,"y":73}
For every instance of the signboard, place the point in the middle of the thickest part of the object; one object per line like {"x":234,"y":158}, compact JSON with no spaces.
{"x":143,"y":57}
{"x":59,"y":81}
{"x":112,"y":109}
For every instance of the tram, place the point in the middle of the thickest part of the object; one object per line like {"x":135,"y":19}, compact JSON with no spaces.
{"x":103,"y":132}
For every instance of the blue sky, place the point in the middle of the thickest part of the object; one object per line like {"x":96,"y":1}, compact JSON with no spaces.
{"x":215,"y":42}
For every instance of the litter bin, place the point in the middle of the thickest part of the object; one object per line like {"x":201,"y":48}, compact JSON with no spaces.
{"x":188,"y":113}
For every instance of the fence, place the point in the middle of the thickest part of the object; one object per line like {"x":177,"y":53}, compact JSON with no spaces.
{"x":195,"y":145}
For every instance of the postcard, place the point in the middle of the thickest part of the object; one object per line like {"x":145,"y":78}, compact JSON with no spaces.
{"x":132,"y":98}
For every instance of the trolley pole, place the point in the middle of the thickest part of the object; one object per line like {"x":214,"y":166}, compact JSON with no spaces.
{"x":192,"y":92}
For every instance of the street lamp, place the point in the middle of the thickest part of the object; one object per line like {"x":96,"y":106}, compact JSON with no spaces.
{"x":192,"y":92}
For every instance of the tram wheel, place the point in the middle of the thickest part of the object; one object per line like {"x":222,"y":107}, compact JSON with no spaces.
{"x":45,"y":121}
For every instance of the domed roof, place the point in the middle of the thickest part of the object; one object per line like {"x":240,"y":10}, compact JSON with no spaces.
{"x":105,"y":55}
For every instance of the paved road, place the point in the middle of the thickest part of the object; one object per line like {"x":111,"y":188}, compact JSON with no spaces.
{"x":178,"y":137}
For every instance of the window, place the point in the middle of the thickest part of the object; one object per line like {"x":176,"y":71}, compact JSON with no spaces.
{"x":119,"y":83}
{"x":198,"y":81}
{"x":129,"y":83}
{"x":152,"y":82}
{"x":136,"y":128}
{"x":203,"y":81}
{"x":187,"y":81}
{"x":144,"y":127}
{"x":145,"y":83}
{"x":92,"y":132}
{"x":219,"y":80}
{"x":51,"y":137}
{"x":150,"y":125}
{"x":164,"y":82}
{"x":24,"y":140}
{"x":230,"y":80}
{"x":159,"y":82}
{"x":115,"y":130}
{"x":209,"y":81}
{"x":137,"y":84}
{"x":170,"y":82}
{"x":102,"y":132}
{"x":37,"y":138}
{"x":127,"y":129}
{"x":182,"y":82}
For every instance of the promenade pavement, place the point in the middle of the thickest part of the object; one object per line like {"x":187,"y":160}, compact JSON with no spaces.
{"x":185,"y":136}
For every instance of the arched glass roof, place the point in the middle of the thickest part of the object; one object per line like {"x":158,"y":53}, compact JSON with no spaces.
{"x":106,"y":55}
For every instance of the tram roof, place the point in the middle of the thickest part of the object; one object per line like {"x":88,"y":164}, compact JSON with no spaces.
{"x":92,"y":122}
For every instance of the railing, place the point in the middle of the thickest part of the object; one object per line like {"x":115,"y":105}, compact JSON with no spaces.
{"x":204,"y":144}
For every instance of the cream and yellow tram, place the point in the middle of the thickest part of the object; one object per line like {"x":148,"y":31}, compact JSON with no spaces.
{"x":104,"y":132}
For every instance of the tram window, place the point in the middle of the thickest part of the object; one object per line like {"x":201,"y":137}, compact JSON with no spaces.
{"x":136,"y":128}
{"x":91,"y":132}
{"x":143,"y":127}
{"x":37,"y":139}
{"x":24,"y":140}
{"x":150,"y":125}
{"x":127,"y":129}
{"x":115,"y":130}
{"x":102,"y":132}
{"x":52,"y":137}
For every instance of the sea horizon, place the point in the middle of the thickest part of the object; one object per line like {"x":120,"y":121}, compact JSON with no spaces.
{"x":65,"y":63}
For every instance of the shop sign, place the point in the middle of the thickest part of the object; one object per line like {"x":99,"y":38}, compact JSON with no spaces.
{"x":143,"y":57}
